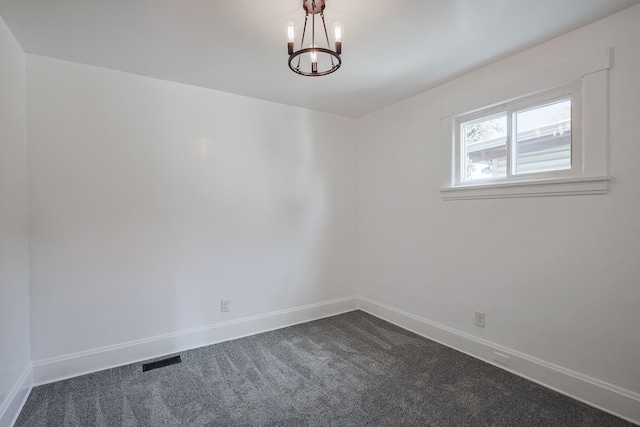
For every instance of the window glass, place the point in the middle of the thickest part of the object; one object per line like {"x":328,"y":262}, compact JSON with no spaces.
{"x":485,"y":147}
{"x":543,"y":138}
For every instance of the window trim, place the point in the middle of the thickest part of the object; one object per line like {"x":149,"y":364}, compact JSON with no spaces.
{"x":589,"y":176}
{"x":530,"y":188}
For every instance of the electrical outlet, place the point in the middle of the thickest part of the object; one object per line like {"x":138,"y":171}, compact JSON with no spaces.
{"x":480,"y":318}
{"x":225,"y":305}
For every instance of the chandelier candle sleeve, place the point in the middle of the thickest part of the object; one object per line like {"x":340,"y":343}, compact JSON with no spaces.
{"x":322,"y":59}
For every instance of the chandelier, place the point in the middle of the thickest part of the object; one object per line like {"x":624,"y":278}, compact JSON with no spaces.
{"x":314,"y":60}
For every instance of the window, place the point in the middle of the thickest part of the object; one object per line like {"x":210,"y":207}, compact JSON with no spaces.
{"x":544,"y":133}
{"x":528,"y":138}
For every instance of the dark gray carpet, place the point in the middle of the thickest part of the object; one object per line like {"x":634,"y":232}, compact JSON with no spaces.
{"x":348,"y":370}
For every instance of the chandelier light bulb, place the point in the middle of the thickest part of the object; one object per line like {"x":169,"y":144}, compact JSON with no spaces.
{"x":338,"y":32}
{"x":313,"y":55}
{"x":291,"y":35}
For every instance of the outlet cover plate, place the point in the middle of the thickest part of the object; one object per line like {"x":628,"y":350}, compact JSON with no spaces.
{"x":480,"y":318}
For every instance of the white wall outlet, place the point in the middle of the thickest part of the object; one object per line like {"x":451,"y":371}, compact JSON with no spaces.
{"x":480,"y":318}
{"x":225,"y":305}
{"x":501,"y":358}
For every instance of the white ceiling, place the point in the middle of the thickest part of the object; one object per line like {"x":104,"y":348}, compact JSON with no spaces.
{"x":392,"y":49}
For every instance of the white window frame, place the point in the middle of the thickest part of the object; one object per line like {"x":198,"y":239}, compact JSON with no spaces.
{"x":571,"y":92}
{"x":585,"y":79}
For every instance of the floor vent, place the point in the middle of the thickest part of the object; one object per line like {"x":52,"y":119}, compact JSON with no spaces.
{"x":161,"y":363}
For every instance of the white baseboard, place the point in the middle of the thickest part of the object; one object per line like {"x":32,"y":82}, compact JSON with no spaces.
{"x":72,"y":365}
{"x":607,"y":397}
{"x":11,"y":406}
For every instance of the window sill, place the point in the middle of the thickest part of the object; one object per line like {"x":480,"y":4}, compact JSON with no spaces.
{"x":530,"y":188}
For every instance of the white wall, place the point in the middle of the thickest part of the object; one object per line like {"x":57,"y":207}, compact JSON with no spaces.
{"x":151,"y":201}
{"x":558,"y":277}
{"x":15,"y":356}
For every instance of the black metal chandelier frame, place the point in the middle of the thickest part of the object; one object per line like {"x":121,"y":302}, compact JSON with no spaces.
{"x":313,"y":8}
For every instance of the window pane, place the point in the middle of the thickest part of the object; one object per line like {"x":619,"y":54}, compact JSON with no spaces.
{"x":543,"y":138}
{"x":484,"y":147}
